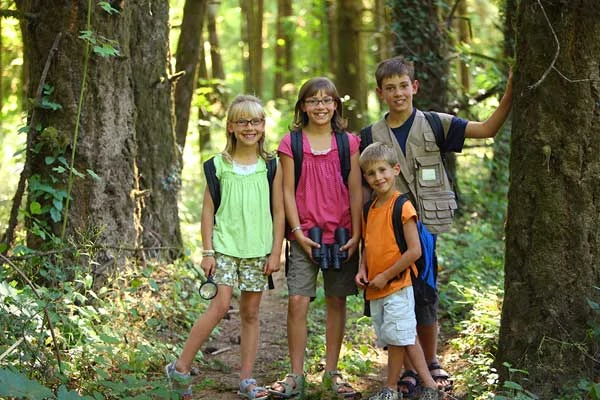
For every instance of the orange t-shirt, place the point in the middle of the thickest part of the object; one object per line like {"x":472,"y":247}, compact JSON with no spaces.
{"x":381,"y":248}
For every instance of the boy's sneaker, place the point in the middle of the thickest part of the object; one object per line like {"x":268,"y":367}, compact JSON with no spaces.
{"x":179,"y":381}
{"x":387,"y":394}
{"x":430,"y":394}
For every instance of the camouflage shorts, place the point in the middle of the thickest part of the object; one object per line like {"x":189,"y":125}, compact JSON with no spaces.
{"x":248,"y":272}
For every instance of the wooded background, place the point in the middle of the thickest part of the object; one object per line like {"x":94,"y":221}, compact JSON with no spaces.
{"x":108,"y":108}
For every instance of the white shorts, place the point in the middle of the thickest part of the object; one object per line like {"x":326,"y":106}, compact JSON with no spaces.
{"x":394,"y":318}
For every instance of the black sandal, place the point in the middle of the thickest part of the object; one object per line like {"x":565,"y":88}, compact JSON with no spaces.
{"x":440,"y":377}
{"x":406,"y":387}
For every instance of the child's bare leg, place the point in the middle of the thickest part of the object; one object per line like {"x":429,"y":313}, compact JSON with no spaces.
{"x":249,"y":312}
{"x":203,"y":327}
{"x":417,"y":359}
{"x":395,"y":361}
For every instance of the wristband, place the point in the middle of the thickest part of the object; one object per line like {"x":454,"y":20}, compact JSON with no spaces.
{"x":294,"y":229}
{"x":208,"y":253}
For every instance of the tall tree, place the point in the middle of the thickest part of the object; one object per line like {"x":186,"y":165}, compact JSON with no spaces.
{"x":350,"y":74}
{"x":186,"y":62}
{"x":283,"y":47}
{"x":549,"y":327}
{"x":252,"y":54}
{"x":122,"y":133}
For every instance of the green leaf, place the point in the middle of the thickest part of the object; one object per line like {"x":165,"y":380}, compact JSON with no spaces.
{"x":57,"y":203}
{"x":93,"y":174}
{"x":105,"y":50}
{"x":109,"y":339}
{"x":106,"y":6}
{"x":15,"y":384}
{"x":65,"y":394}
{"x":60,"y":169}
{"x":512,"y":385}
{"x":55,"y":215}
{"x":35,"y":208}
{"x":49,"y":160}
{"x":77,"y":173}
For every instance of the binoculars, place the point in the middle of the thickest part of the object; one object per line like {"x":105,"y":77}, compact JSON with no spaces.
{"x":329,"y":255}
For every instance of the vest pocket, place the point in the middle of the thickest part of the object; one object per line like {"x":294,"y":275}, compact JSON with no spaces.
{"x":430,"y":171}
{"x":437,"y":209}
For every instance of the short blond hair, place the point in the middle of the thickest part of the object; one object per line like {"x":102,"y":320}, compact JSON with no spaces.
{"x":378,"y":151}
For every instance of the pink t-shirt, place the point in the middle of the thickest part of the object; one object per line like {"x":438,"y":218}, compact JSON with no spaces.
{"x":322,"y":198}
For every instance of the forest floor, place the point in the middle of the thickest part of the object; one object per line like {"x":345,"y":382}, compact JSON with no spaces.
{"x":218,"y":378}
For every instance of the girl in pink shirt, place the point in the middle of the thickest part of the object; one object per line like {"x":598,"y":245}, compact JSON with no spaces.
{"x":320,"y":198}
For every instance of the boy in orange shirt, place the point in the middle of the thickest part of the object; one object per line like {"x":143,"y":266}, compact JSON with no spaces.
{"x":384,"y":272}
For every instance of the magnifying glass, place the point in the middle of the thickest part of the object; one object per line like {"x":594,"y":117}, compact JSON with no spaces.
{"x":208,"y":290}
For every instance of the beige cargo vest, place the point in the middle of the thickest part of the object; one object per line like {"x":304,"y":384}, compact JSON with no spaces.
{"x":422,"y":173}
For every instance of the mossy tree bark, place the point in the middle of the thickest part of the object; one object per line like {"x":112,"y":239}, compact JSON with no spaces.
{"x":553,"y":228}
{"x":125,"y":131}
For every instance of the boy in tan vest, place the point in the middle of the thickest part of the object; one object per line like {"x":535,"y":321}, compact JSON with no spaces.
{"x":423,"y":177}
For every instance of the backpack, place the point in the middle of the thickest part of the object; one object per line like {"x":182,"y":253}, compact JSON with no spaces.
{"x":214,"y":187}
{"x":424,"y":283}
{"x":343,"y":153}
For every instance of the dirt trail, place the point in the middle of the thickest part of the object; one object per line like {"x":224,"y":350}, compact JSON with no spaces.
{"x":222,"y":369}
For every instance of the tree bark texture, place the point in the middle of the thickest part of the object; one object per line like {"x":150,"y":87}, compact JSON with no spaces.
{"x":419,"y":36}
{"x":188,"y":51}
{"x":252,"y":14}
{"x":125,"y":134}
{"x":553,"y":228}
{"x":284,"y":66}
{"x":351,"y":76}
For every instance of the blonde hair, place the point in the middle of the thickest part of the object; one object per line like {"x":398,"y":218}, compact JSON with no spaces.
{"x":378,"y":151}
{"x":244,"y":105}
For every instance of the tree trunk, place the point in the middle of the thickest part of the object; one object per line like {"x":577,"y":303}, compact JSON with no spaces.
{"x":123,"y":105}
{"x":548,"y":327}
{"x":159,"y":158}
{"x":283,"y":48}
{"x":350,"y":76}
{"x":333,"y":48}
{"x":252,"y":14}
{"x":218,"y":71}
{"x":188,"y":51}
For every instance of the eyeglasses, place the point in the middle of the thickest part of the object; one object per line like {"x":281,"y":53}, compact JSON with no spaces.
{"x":314,"y":101}
{"x":242,"y":123}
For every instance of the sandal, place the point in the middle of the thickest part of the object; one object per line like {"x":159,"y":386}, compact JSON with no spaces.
{"x":332,"y":380}
{"x":430,"y":394}
{"x":441,"y":377}
{"x":406,"y":385}
{"x":256,"y":393}
{"x":289,"y":390}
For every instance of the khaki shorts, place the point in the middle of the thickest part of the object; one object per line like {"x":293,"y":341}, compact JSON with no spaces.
{"x":248,"y":272}
{"x":302,"y":275}
{"x":394,"y":319}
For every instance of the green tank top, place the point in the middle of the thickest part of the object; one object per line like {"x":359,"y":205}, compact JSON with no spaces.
{"x":243,"y":223}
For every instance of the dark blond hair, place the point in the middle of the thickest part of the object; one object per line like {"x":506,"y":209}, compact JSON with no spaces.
{"x":310,"y":88}
{"x":248,"y":106}
{"x":378,"y":151}
{"x":396,"y":66}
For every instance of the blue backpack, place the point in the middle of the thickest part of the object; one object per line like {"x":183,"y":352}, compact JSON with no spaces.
{"x":424,"y":283}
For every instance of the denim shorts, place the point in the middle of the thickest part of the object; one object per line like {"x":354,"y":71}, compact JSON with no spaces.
{"x":248,"y":272}
{"x":394,"y":319}
{"x":302,"y":275}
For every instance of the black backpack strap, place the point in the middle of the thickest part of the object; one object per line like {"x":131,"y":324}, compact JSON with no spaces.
{"x":271,"y":171}
{"x":297,"y":154}
{"x":397,"y":222}
{"x":436,"y":126}
{"x":344,"y":155}
{"x":212,"y":182}
{"x":366,"y":137}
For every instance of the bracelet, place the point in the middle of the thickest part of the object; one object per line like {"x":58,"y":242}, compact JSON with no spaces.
{"x":208,"y":253}
{"x":296,"y":228}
